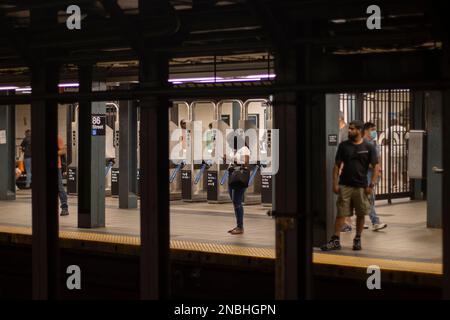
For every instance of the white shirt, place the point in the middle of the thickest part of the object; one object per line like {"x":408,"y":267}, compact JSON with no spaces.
{"x":239,"y":156}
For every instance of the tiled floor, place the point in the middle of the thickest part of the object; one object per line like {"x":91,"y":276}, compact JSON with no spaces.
{"x":406,"y":237}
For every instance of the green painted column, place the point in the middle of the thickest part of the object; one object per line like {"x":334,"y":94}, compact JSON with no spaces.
{"x":91,"y":155}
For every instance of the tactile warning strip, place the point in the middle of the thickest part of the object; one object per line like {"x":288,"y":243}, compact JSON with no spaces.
{"x":100,"y":237}
{"x":225,"y":249}
{"x":384,"y":264}
{"x":15,"y":230}
{"x":268,"y":253}
{"x":135,"y":241}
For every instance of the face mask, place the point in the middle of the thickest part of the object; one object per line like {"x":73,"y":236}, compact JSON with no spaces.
{"x":374,"y":135}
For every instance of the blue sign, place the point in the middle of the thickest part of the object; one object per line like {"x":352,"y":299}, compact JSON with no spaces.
{"x":94,"y":132}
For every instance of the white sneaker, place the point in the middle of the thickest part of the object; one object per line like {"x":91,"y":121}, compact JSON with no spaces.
{"x":378,"y":226}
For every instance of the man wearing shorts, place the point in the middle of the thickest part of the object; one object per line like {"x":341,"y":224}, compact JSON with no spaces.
{"x":353,"y":189}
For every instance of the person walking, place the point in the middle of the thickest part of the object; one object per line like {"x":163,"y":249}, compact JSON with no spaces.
{"x":371,"y":136}
{"x":61,"y":191}
{"x":352,"y":189}
{"x":26,"y":149}
{"x":343,"y":135}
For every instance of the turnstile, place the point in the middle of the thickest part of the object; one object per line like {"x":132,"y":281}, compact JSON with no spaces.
{"x":177,"y":153}
{"x":218,"y":172}
{"x":193,"y":175}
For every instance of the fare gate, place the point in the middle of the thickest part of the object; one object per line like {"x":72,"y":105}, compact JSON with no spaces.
{"x":389,"y":110}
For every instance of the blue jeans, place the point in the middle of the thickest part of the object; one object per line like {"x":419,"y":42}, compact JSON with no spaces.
{"x":61,"y":192}
{"x":28,"y":170}
{"x":237,"y":196}
{"x":372,"y":213}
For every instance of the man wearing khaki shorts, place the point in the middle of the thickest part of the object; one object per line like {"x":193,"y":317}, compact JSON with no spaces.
{"x":355,"y":154}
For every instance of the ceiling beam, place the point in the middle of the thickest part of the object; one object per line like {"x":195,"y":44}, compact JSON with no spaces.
{"x":15,"y":39}
{"x":128,"y":31}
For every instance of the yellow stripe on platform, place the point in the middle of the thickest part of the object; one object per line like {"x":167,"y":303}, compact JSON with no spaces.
{"x":267,"y":253}
{"x":226,"y":249}
{"x":15,"y":230}
{"x":384,"y":264}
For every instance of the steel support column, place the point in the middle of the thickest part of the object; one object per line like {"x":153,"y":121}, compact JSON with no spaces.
{"x":292,"y":205}
{"x":324,"y":110}
{"x":44,"y":127}
{"x":434,"y":104}
{"x":417,"y":123}
{"x":154,"y":189}
{"x":154,"y":170}
{"x":446,"y":166}
{"x":445,"y":193}
{"x":91,"y":159}
{"x":127,"y":153}
{"x":44,"y":124}
{"x":7,"y":151}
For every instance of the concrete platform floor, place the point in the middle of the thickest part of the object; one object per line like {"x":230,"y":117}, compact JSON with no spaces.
{"x":406,"y":237}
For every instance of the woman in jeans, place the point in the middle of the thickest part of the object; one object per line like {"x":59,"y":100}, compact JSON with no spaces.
{"x":240,"y":158}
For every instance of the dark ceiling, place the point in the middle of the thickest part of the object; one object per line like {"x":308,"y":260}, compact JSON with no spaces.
{"x":113,"y":34}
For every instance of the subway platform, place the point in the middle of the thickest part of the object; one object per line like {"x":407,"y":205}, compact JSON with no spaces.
{"x":406,"y":238}
{"x":408,"y":253}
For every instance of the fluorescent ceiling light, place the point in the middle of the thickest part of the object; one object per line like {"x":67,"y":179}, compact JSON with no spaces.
{"x":7,"y":88}
{"x":23,"y":89}
{"x":339,"y":21}
{"x":255,"y":77}
{"x":261,"y":76}
{"x":231,"y":80}
{"x":193,"y":79}
{"x":68,"y":85}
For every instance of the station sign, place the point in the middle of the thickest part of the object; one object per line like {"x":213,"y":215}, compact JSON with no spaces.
{"x":186,"y":179}
{"x":114,"y":181}
{"x":98,"y":122}
{"x":266,"y":189}
{"x":71,"y":180}
{"x":212,"y":185}
{"x":332,"y":139}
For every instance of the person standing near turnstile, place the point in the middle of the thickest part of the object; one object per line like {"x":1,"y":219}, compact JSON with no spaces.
{"x":238,"y":181}
{"x":26,"y":148}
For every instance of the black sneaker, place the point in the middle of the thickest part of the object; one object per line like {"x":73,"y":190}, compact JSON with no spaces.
{"x":64,"y":212}
{"x":357,"y":243}
{"x":333,"y":244}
